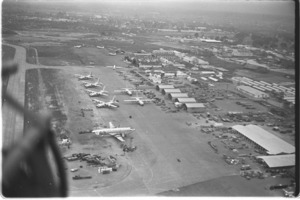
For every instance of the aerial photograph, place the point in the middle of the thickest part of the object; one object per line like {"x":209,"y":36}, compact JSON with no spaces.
{"x":149,"y":98}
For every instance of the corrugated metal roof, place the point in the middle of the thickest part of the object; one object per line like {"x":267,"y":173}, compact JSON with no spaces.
{"x":251,"y":90}
{"x":186,"y":100}
{"x":279,"y":160}
{"x":176,"y":95}
{"x":165,"y":86}
{"x":173,"y":90}
{"x":263,"y":138}
{"x":194,"y":105}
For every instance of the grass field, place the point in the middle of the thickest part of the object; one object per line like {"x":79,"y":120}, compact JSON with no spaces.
{"x":58,"y":56}
{"x":8,"y":53}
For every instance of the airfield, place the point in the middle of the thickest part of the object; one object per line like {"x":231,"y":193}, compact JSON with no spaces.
{"x":169,"y":154}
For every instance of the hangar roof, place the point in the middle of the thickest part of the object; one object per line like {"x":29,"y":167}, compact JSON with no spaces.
{"x":186,"y":100}
{"x":268,"y":141}
{"x":279,"y":160}
{"x":176,"y":95}
{"x":194,"y":105}
{"x":165,"y":86}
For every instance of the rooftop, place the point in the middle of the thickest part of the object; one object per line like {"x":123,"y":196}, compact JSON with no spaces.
{"x":268,"y":141}
{"x":279,"y":160}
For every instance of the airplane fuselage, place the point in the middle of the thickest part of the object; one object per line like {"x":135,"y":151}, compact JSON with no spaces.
{"x":141,"y":102}
{"x":113,"y":130}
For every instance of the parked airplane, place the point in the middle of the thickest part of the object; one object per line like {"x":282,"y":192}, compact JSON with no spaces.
{"x":110,"y":104}
{"x":83,"y":77}
{"x":112,"y":54}
{"x":90,"y":85}
{"x":128,"y":91}
{"x":114,"y":67}
{"x":78,"y":46}
{"x":117,"y":132}
{"x":102,"y":92}
{"x":139,"y":100}
{"x":100,"y":47}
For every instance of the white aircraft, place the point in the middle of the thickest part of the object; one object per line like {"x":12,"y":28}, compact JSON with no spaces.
{"x":114,"y":67}
{"x":139,"y":100}
{"x":128,"y":91}
{"x":78,"y":46}
{"x":100,"y":47}
{"x":112,"y":54}
{"x":83,"y":77}
{"x":110,"y":104}
{"x":117,"y":132}
{"x":102,"y":92}
{"x":90,"y":85}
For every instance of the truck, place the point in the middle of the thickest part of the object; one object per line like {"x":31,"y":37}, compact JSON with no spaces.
{"x":245,"y":167}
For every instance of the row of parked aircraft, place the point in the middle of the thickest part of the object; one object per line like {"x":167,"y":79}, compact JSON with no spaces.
{"x":117,"y":132}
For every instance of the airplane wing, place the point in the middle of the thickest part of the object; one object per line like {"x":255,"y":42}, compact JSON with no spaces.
{"x":85,"y":82}
{"x":119,"y":137}
{"x":111,"y":125}
{"x":97,"y":101}
{"x":100,"y":105}
{"x":131,"y":100}
{"x":103,"y":94}
{"x":90,"y":91}
{"x":112,"y":105}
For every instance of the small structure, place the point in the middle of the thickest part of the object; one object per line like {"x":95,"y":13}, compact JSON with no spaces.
{"x":174,"y":96}
{"x":161,"y":87}
{"x":194,"y":107}
{"x":168,"y":91}
{"x":278,"y":161}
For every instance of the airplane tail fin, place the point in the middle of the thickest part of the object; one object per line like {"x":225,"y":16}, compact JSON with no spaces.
{"x":103,"y":89}
{"x":114,"y":98}
{"x":98,"y":81}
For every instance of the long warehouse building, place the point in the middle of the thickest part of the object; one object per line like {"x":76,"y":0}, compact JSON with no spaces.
{"x":267,"y":141}
{"x":174,"y":96}
{"x":252,"y":92}
{"x":278,"y":161}
{"x":161,"y":87}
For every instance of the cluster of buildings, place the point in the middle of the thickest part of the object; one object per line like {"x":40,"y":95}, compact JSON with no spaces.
{"x":181,"y":99}
{"x":278,"y":153}
{"x":260,"y":89}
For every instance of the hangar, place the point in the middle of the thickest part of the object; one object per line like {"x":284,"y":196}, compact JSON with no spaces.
{"x":174,"y":96}
{"x":265,"y":140}
{"x":186,"y":100}
{"x":168,"y":91}
{"x":161,"y":87}
{"x":278,"y":161}
{"x":194,"y":107}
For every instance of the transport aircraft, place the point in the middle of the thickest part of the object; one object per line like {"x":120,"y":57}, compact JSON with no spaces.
{"x":110,"y":104}
{"x":102,"y":92}
{"x":115,"y":67}
{"x":91,"y":85}
{"x":100,"y":47}
{"x":140,"y":100}
{"x":84,"y":77}
{"x":117,"y":132}
{"x":127,"y":90}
